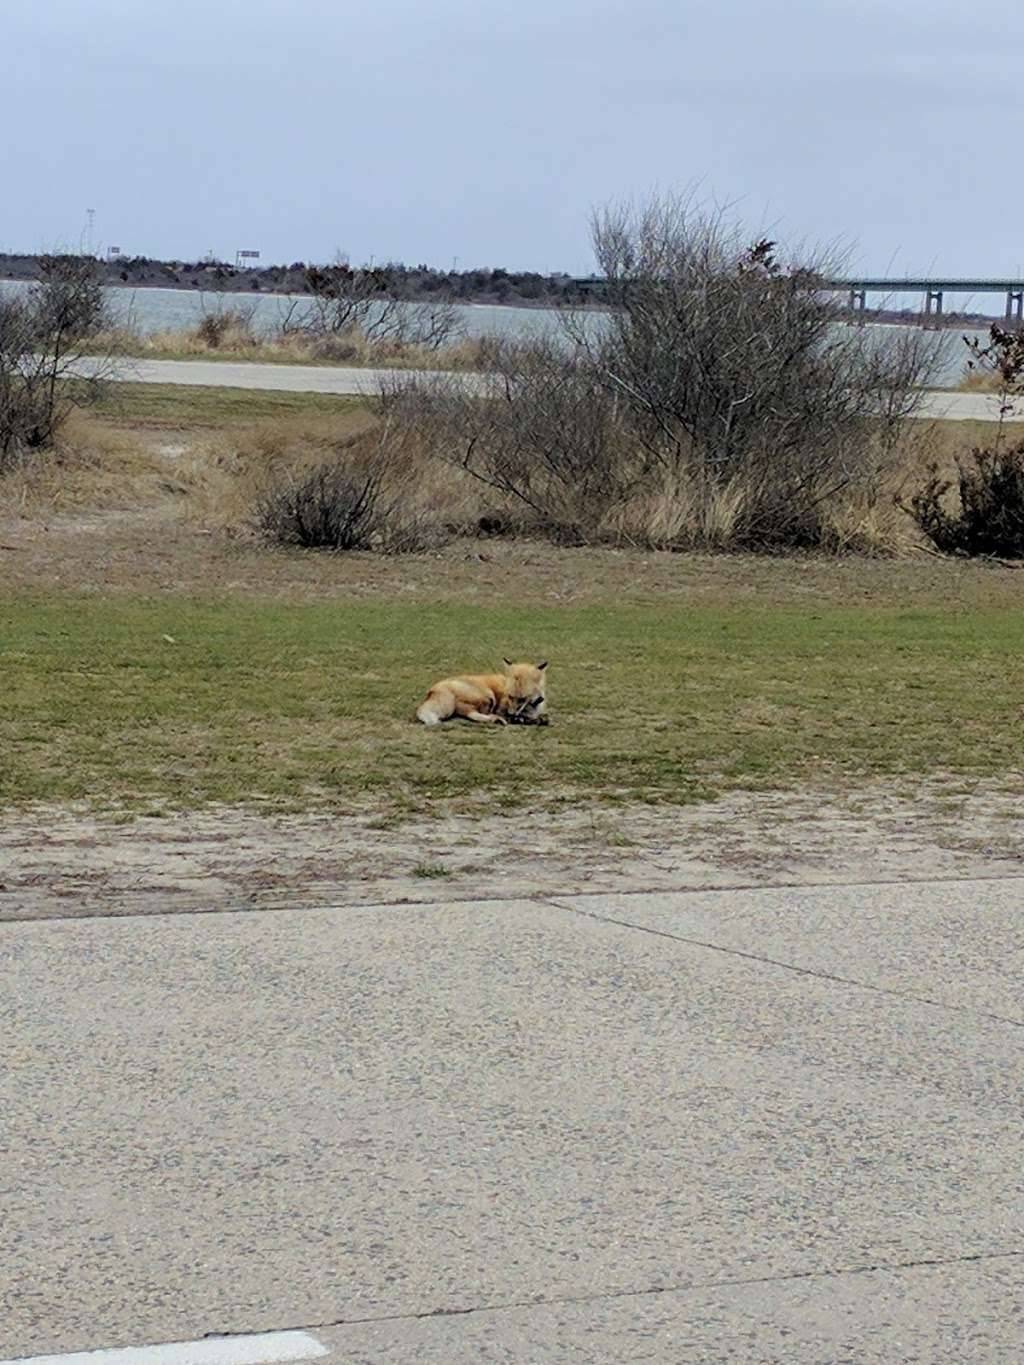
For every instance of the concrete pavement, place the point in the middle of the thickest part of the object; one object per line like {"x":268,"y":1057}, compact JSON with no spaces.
{"x":968,"y":1311}
{"x":769,"y":1125}
{"x":942,"y":404}
{"x":348,"y":382}
{"x":938,"y":403}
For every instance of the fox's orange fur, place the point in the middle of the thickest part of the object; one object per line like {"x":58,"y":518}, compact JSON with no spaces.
{"x":491,"y":698}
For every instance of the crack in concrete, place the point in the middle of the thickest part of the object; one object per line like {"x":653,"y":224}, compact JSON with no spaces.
{"x":777,"y":962}
{"x":650,"y":1291}
{"x":921,"y":1263}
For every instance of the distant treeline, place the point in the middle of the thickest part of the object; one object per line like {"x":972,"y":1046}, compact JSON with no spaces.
{"x":420,"y":282}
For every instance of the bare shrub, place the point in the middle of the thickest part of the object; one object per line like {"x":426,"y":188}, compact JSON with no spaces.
{"x":226,"y":326}
{"x":736,"y":373}
{"x":429,"y":325}
{"x":342,"y":299}
{"x":69,"y":298}
{"x":990,"y":517}
{"x":367,"y":302}
{"x":999,"y":366}
{"x":356,"y":499}
{"x":329,"y":508}
{"x":43,"y":338}
{"x":537,"y":428}
{"x":721,"y":405}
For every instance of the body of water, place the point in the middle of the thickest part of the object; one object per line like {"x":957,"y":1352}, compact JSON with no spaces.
{"x":174,"y":310}
{"x":165,"y":310}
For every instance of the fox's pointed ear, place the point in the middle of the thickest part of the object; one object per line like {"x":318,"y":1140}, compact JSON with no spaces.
{"x":541,"y":667}
{"x":506,"y":661}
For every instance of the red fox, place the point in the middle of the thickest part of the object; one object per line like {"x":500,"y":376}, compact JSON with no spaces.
{"x":514,"y":697}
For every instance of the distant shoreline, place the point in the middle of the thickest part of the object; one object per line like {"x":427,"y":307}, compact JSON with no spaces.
{"x":485,"y":287}
{"x":204,"y":278}
{"x":521,"y":305}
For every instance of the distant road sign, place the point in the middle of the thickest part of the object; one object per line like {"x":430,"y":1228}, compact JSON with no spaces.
{"x":113,"y":251}
{"x":241,"y":256}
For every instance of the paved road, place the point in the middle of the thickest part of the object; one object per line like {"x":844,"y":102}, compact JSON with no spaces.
{"x":328,"y":379}
{"x":768,"y":1125}
{"x":282,"y":378}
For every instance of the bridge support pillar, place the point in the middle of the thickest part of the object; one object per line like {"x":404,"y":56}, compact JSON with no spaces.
{"x":858,"y":302}
{"x":1015,"y":306}
{"x":933,"y":297}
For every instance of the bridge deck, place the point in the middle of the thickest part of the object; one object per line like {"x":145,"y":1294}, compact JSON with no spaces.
{"x":915,"y":284}
{"x":910,"y":285}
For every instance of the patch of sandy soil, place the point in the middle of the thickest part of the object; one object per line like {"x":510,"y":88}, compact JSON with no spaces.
{"x":63,"y":863}
{"x":157,"y":549}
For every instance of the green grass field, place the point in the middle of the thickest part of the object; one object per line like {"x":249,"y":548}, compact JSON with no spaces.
{"x":206,"y":408}
{"x":309,"y":705}
{"x":290,"y":679}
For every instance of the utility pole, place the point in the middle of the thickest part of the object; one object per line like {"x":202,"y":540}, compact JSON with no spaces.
{"x":91,"y":215}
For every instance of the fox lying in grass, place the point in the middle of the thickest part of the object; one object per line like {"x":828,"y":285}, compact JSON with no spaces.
{"x":515,"y":697}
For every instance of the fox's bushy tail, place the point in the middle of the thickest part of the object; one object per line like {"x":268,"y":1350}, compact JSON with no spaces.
{"x":431,"y":710}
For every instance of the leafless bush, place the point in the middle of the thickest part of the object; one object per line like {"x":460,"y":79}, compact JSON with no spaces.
{"x":221,"y":322}
{"x":430,"y":325}
{"x":69,"y":298}
{"x":736,"y":374}
{"x":352,"y":501}
{"x":43,"y":338}
{"x":537,"y":427}
{"x":328,"y":508}
{"x":343,"y":299}
{"x":721,"y":405}
{"x":990,"y":518}
{"x":990,"y":481}
{"x":367,"y":302}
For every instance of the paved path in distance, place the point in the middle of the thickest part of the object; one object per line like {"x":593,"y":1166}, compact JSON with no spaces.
{"x":939,"y":403}
{"x":348,"y":382}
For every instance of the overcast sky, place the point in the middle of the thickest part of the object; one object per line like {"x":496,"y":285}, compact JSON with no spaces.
{"x":483,"y":131}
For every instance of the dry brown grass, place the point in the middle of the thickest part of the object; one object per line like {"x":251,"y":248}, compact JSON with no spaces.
{"x":92,"y":466}
{"x":211,"y":479}
{"x":127,"y":503}
{"x":863,"y":519}
{"x":979,"y":381}
{"x":857,"y":521}
{"x":672,"y":512}
{"x":236,"y":341}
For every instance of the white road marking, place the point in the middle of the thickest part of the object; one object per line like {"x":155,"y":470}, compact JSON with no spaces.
{"x":265,"y":1349}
